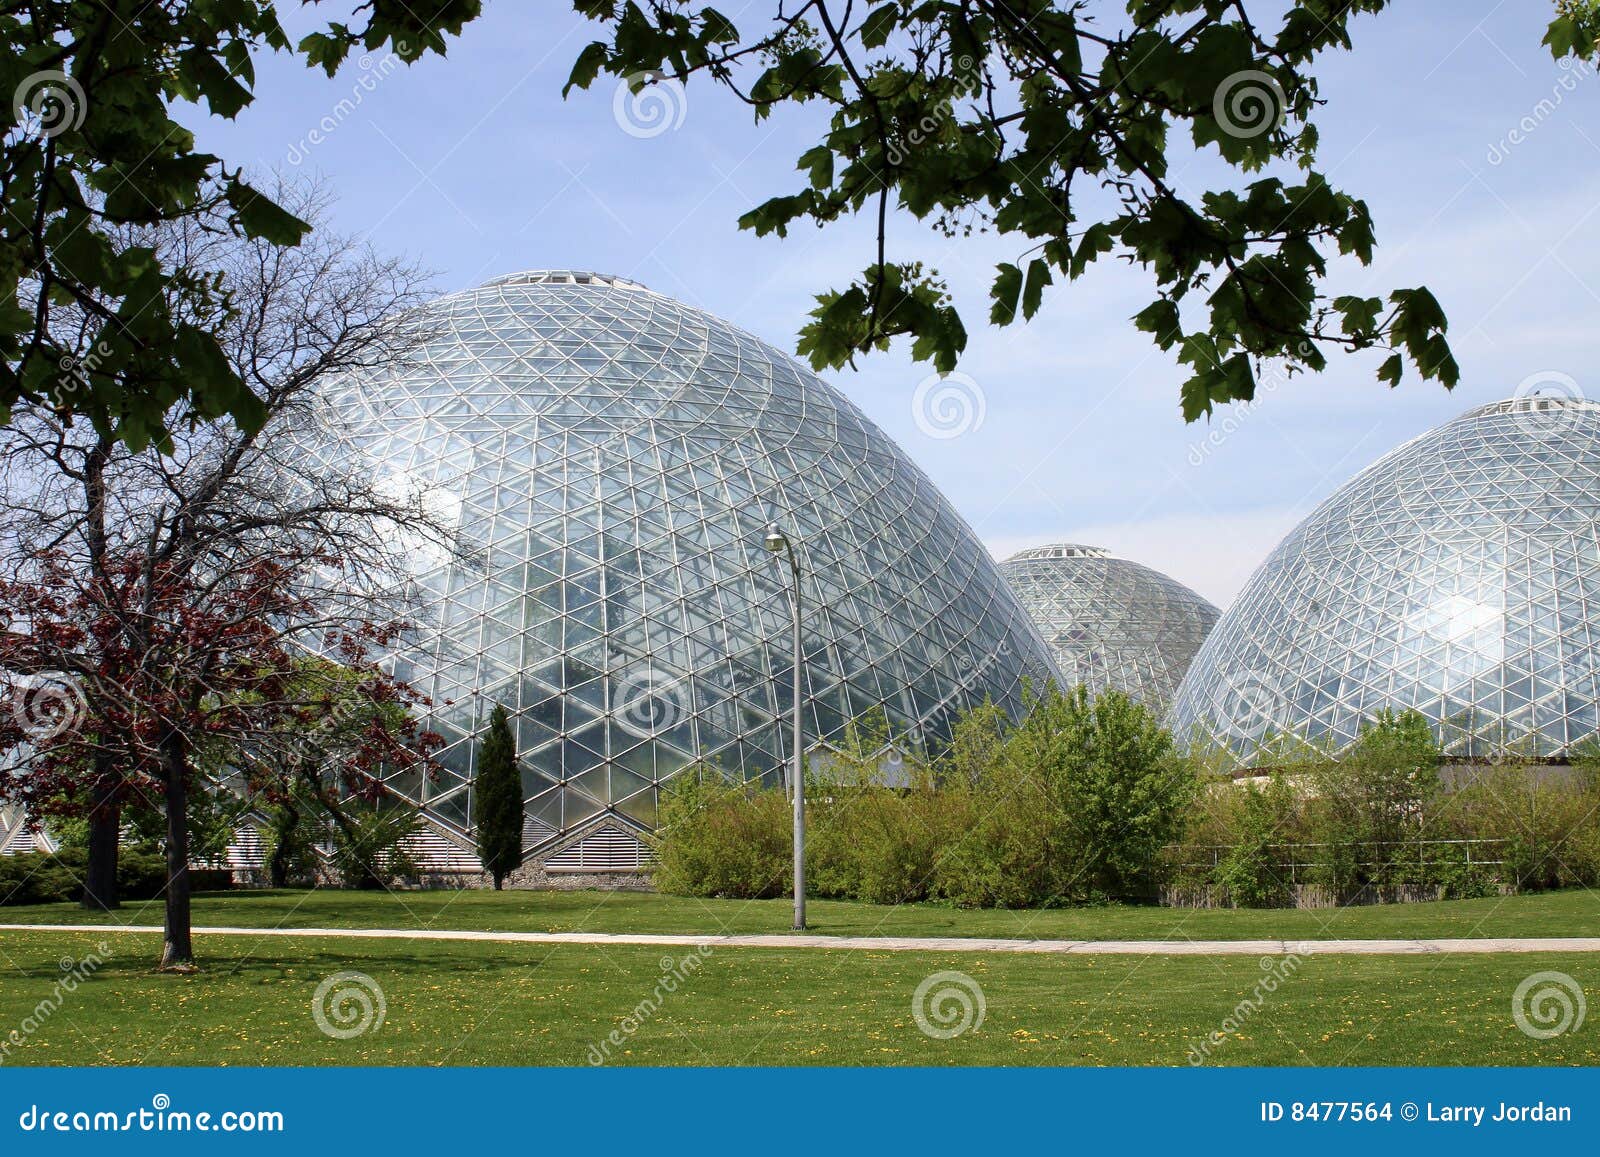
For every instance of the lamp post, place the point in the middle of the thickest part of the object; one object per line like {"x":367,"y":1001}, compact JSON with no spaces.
{"x":777,"y":542}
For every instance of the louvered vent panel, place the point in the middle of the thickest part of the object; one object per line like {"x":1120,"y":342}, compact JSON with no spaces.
{"x":434,"y":853}
{"x":247,"y":850}
{"x":606,"y":850}
{"x":534,"y":833}
{"x":16,"y":839}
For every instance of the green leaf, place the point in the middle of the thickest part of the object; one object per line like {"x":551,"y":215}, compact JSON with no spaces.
{"x":208,"y":78}
{"x":1360,"y":313}
{"x":1004,"y":292}
{"x":1564,"y":37}
{"x":1033,"y":293}
{"x":260,"y":216}
{"x":587,"y":67}
{"x":878,"y":25}
{"x":818,"y":162}
{"x":1160,"y":319}
{"x":1096,"y":241}
{"x":324,"y":51}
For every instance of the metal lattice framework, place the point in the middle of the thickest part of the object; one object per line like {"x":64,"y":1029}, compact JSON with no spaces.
{"x":612,"y":457}
{"x":1459,"y":575}
{"x":1109,"y":622}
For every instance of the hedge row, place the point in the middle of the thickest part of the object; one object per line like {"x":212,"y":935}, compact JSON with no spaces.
{"x":1072,"y":805}
{"x":45,"y":878}
{"x":1084,"y":801}
{"x":1350,"y":832}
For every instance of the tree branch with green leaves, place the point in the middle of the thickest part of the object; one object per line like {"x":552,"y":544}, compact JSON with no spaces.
{"x":1055,"y":126}
{"x":96,"y":143}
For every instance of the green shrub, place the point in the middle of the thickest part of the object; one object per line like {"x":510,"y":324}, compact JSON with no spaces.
{"x":368,"y":846}
{"x":877,"y":831}
{"x":37,"y":878}
{"x":1580,"y":852}
{"x":43,"y":878}
{"x":1368,"y":808}
{"x":141,"y":872}
{"x":1253,"y":873}
{"x":1073,"y":805}
{"x":1548,"y":818}
{"x":880,"y":844}
{"x":977,"y":740}
{"x":1080,"y":800}
{"x":1009,"y":858}
{"x":1378,"y":823}
{"x":1444,"y":869}
{"x":719,"y":838}
{"x":1126,"y":791}
{"x":1089,"y":800}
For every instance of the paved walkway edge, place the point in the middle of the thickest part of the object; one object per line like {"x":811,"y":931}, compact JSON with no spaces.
{"x":1476,"y":945}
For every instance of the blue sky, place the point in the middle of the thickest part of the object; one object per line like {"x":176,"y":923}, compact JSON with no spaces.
{"x":475,"y":166}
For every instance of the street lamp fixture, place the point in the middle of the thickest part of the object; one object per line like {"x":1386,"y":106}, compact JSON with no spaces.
{"x":776,"y":542}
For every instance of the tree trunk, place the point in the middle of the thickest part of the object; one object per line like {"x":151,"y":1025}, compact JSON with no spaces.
{"x":283,"y":832}
{"x":105,"y":837}
{"x":357,"y":873}
{"x":499,"y":878}
{"x":105,"y":806}
{"x":177,"y":953}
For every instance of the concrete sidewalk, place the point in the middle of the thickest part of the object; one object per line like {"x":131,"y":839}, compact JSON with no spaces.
{"x":1479,"y":946}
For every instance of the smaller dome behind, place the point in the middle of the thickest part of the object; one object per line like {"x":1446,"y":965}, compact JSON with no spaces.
{"x":1110,"y":623}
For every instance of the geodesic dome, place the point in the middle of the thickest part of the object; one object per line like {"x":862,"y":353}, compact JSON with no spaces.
{"x":1459,"y":575}
{"x":1109,"y":622}
{"x":613,"y":456}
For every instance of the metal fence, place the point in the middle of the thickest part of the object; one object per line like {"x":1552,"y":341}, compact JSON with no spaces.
{"x":1481,"y":853}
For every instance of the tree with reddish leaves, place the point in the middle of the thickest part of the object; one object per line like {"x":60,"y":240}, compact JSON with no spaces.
{"x":171,"y":595}
{"x":183,"y":663}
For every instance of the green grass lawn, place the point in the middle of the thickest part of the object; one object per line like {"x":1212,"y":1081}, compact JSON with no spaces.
{"x":1573,"y":913}
{"x":520,"y":1004}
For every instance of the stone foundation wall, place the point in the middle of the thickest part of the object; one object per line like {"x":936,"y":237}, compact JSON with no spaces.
{"x":535,"y":876}
{"x":531,"y":877}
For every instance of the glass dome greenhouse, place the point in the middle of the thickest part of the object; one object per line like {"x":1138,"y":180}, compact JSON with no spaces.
{"x":1459,"y":575}
{"x":1109,"y":622}
{"x":612,"y":458}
